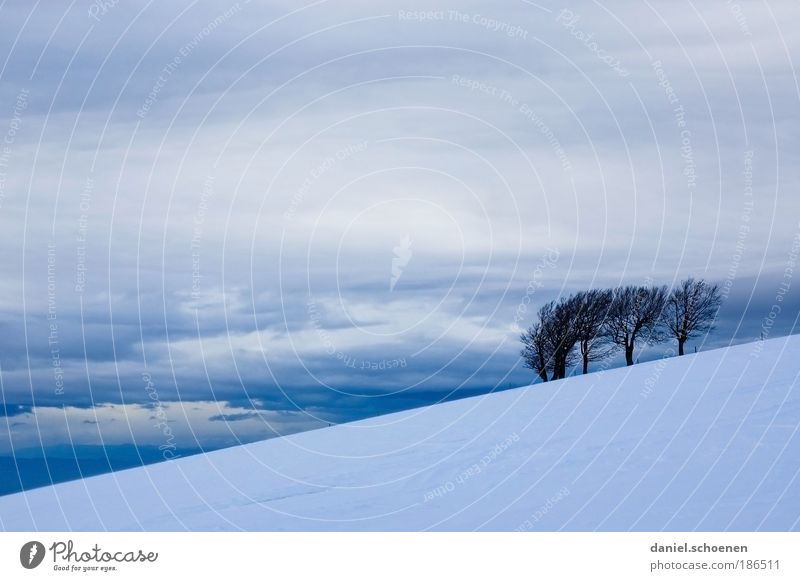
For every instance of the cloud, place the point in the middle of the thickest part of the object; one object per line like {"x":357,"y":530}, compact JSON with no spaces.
{"x":234,"y":417}
{"x":188,"y":425}
{"x":232,"y":235}
{"x":11,"y":410}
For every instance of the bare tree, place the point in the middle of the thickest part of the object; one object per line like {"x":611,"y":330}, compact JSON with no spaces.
{"x":590,"y":322}
{"x":691,"y":309}
{"x":548,"y":344}
{"x":537,"y":351}
{"x":563,"y":334}
{"x":635,"y":314}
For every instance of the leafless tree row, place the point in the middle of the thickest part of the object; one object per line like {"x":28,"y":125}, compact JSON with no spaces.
{"x":590,"y":325}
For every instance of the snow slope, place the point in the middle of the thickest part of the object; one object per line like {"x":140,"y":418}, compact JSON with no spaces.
{"x":707,"y":442}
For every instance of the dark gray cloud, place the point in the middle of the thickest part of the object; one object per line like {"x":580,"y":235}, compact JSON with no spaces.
{"x":11,"y":410}
{"x":233,"y":417}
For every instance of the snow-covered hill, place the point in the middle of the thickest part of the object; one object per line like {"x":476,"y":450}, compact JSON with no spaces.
{"x":707,"y":442}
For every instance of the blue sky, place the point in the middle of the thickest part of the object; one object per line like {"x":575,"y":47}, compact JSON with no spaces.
{"x":257,"y":218}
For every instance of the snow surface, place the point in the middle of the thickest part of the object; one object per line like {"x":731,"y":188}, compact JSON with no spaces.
{"x":701,"y":442}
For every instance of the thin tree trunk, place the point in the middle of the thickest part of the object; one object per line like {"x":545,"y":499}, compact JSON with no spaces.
{"x":629,"y":354}
{"x":559,"y":369}
{"x":680,"y":346}
{"x":586,"y":364}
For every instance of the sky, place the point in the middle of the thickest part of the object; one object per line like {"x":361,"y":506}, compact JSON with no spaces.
{"x":226,"y":221}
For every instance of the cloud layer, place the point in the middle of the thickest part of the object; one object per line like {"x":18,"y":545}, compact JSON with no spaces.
{"x":336,"y":210}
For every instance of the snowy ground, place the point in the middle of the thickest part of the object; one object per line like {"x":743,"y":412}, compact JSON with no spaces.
{"x":705,"y":442}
